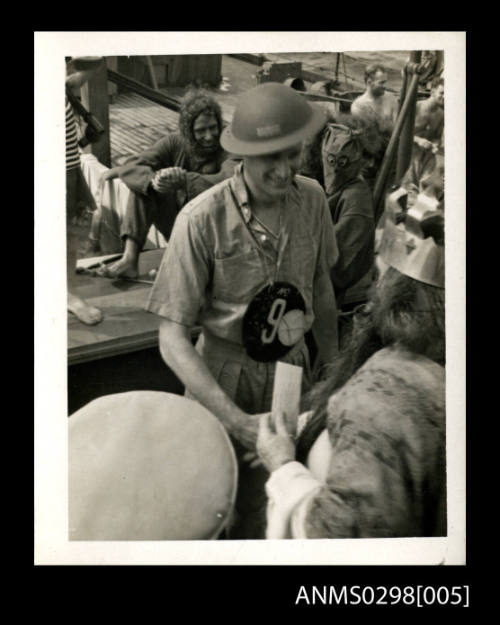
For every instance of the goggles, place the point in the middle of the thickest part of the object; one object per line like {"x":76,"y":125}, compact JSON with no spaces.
{"x":342,"y":160}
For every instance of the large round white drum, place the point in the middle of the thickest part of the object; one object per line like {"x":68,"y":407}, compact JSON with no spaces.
{"x":147,"y":465}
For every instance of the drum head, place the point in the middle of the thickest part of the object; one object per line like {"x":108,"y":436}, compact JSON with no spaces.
{"x":147,"y":465}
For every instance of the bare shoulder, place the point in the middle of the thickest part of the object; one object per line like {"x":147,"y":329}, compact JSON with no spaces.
{"x":391,"y":100}
{"x":360,"y":102}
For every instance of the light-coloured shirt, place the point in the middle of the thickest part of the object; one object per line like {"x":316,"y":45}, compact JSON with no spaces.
{"x":214,"y":265}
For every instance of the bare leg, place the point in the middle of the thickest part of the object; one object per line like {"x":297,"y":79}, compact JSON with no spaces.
{"x":128,"y":265}
{"x":90,"y":315}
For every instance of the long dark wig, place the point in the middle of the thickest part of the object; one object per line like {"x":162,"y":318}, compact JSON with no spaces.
{"x":196,"y":102}
{"x":401,"y":312}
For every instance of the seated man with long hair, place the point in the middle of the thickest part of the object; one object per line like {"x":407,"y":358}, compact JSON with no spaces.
{"x":166,"y":176}
{"x":370,"y":460}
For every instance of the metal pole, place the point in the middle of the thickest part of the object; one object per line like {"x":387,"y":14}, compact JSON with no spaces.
{"x":408,"y":130}
{"x":392,"y":147}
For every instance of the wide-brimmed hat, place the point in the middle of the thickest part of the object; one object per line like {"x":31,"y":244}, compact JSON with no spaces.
{"x":270,"y":118}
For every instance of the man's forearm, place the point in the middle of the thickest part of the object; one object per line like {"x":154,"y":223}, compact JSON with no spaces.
{"x":180,"y":355}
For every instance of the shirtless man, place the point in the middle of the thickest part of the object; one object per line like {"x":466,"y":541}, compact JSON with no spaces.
{"x":375,"y":103}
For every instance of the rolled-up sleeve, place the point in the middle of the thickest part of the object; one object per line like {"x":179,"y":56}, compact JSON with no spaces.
{"x":179,"y":291}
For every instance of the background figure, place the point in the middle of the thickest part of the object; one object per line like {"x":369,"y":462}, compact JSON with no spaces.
{"x":376,"y":103}
{"x":346,"y":148}
{"x":378,"y":106}
{"x":78,"y":196}
{"x":426,"y":171}
{"x":429,"y":120}
{"x":338,"y":157}
{"x":370,"y":461}
{"x":159,"y":180}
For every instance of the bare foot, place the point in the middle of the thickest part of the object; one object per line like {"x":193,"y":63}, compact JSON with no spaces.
{"x":126,"y":267}
{"x":90,"y":315}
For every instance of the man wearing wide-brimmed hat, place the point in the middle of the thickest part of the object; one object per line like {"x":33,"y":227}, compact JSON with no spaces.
{"x":248,"y":260}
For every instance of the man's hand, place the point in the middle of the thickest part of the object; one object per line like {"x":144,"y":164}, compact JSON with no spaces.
{"x":245,"y":430}
{"x":275,"y":445}
{"x":168,"y":179}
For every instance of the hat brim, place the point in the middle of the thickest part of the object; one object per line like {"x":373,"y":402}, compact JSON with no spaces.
{"x":276,"y":144}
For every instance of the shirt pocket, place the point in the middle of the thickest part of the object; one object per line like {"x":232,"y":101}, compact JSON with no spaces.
{"x":237,"y":277}
{"x":300,"y":262}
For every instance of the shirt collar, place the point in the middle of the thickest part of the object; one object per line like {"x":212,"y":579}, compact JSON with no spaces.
{"x":241,"y":193}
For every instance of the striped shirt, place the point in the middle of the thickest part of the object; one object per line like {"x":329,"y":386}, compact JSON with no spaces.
{"x":72,"y":153}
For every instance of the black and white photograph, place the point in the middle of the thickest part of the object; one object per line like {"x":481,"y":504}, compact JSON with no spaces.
{"x":249,"y":306}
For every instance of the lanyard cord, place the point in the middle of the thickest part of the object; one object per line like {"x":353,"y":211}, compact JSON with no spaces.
{"x":282,"y":243}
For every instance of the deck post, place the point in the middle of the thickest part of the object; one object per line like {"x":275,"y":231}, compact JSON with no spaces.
{"x":96,"y":100}
{"x":407,"y":131}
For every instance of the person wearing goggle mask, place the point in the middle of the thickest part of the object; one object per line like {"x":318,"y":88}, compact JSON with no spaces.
{"x":351,"y":207}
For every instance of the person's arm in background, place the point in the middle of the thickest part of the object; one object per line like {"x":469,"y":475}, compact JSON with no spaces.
{"x":366,"y":490}
{"x":77,"y":80}
{"x":138,"y":173}
{"x":196,"y":183}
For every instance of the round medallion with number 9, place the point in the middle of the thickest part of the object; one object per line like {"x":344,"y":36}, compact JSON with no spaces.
{"x":273,"y":322}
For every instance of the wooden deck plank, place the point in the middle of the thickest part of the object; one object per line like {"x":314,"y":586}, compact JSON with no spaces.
{"x":126,"y":325}
{"x":142,"y":118}
{"x":135,"y":124}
